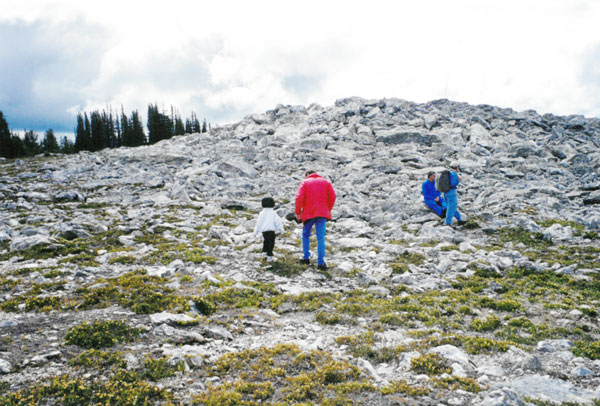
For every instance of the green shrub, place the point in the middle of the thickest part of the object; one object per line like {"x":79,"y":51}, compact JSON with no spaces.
{"x":454,"y":383}
{"x":99,"y":359}
{"x":54,"y":273}
{"x":487,"y":273}
{"x":479,"y":345}
{"x":39,"y":297}
{"x":506,"y":305}
{"x":122,"y":389}
{"x":328,"y":318}
{"x":258,"y":391}
{"x":43,"y":303}
{"x":254,"y":376}
{"x":286,"y":265}
{"x":168,"y":252}
{"x":124,"y":260}
{"x":203,"y":306}
{"x":157,"y":369}
{"x":521,"y":322}
{"x":403,"y":387}
{"x":253,"y":294}
{"x":520,"y":235}
{"x":101,"y":334}
{"x":589,"y":312}
{"x":586,"y":349}
{"x":489,"y":324}
{"x":221,"y":396}
{"x":136,"y":290}
{"x":430,"y":364}
{"x":471,"y":225}
{"x":363,"y":346}
{"x":400,"y":264}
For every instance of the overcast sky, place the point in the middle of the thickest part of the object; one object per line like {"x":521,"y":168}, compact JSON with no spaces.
{"x":226,"y":59}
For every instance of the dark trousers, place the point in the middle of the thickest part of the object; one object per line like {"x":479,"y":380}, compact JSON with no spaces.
{"x":269,"y":242}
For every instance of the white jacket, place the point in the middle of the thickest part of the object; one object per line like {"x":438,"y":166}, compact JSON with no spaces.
{"x":268,"y":220}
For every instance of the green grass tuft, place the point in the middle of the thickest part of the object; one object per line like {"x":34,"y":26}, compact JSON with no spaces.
{"x":430,"y":364}
{"x":101,"y":334}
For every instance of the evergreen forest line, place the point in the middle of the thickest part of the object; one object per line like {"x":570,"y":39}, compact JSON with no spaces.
{"x":99,"y":130}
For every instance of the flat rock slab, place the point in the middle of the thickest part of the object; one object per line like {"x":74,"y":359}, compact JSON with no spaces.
{"x":170,"y":318}
{"x":549,"y":389}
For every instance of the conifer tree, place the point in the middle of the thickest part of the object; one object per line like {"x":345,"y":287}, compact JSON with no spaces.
{"x":204,"y":126}
{"x":80,"y":142}
{"x":6,"y":143}
{"x":137,"y":130}
{"x":195,"y":123}
{"x":153,"y":124}
{"x":30,"y":143}
{"x":66,"y":146}
{"x":49,"y":143}
{"x":17,"y":147}
{"x":104,"y":132}
{"x":109,"y":129}
{"x":11,"y":145}
{"x":160,"y":126}
{"x":125,"y":130}
{"x":179,"y":128}
{"x":97,"y":138}
{"x":118,"y":129}
{"x":87,"y":132}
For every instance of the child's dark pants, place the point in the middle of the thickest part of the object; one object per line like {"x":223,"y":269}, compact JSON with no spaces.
{"x":269,"y":242}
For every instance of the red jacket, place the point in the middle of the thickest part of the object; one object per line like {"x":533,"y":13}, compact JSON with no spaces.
{"x":315,"y":198}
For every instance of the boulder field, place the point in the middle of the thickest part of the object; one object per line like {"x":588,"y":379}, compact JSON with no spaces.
{"x":132,"y":274}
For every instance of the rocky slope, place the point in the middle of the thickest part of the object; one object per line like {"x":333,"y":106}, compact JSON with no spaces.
{"x":132,"y":275}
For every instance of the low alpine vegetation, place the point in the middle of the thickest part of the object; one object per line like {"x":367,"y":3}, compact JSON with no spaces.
{"x":430,"y":364}
{"x":101,"y":334}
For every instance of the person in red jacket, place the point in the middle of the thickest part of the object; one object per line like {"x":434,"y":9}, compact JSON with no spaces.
{"x":314,"y":201}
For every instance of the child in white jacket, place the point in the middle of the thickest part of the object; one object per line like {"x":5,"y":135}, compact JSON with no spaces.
{"x":268,"y":224}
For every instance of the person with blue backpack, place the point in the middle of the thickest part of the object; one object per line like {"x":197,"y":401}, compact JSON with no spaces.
{"x":448,"y":182}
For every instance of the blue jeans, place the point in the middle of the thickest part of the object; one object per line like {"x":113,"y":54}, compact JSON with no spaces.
{"x":438,"y":208}
{"x":452,"y":204}
{"x":319,"y":223}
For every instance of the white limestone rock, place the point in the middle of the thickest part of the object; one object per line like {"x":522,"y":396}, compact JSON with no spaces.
{"x":453,"y":353}
{"x":549,"y":389}
{"x":555,"y":345}
{"x":5,"y":367}
{"x":557,"y":232}
{"x":491,"y":370}
{"x":581,"y":371}
{"x":218,"y":332}
{"x":500,"y":397}
{"x":170,"y":318}
{"x":24,"y":243}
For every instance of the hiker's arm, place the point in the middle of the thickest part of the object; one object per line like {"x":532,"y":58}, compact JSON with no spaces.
{"x":331,"y":197}
{"x":300,"y":201}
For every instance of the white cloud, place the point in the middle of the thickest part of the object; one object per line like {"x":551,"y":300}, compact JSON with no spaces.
{"x":231,"y":58}
{"x":42,"y":71}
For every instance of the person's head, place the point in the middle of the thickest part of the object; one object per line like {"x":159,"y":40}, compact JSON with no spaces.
{"x":268,"y":202}
{"x":309,"y":172}
{"x":454,"y":166}
{"x":431,"y":176}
